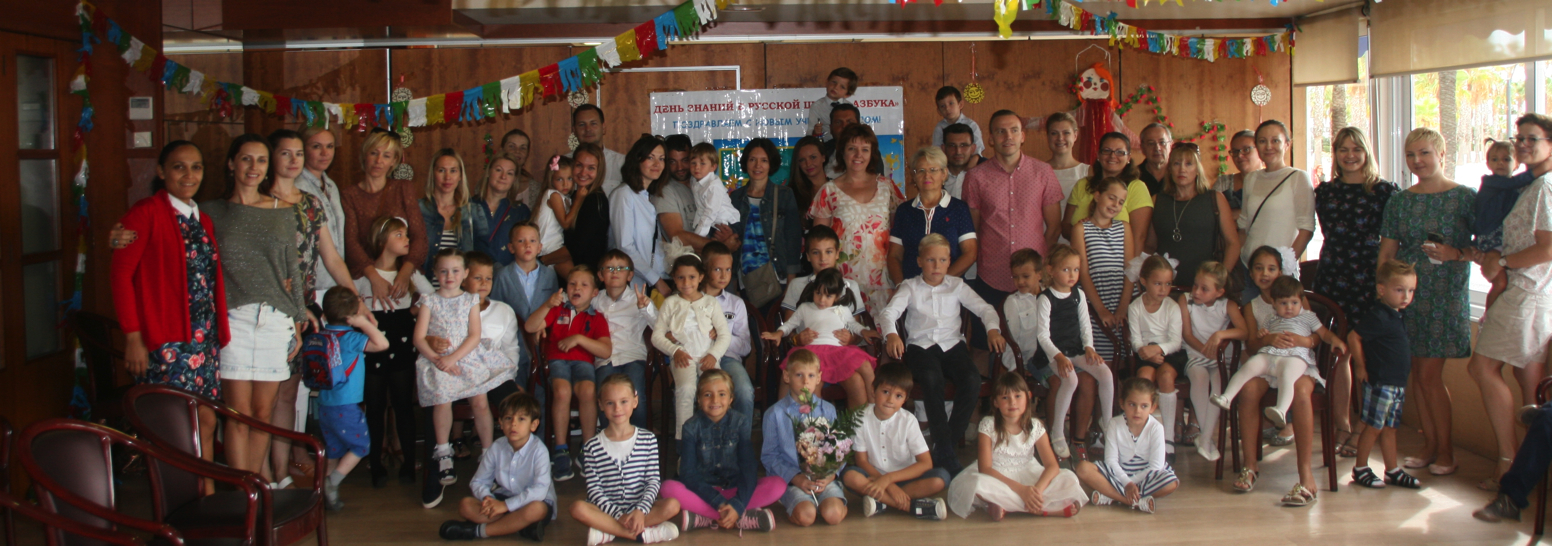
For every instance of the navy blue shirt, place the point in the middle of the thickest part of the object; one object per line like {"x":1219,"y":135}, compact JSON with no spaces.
{"x":1386,"y":354}
{"x":950,"y":217}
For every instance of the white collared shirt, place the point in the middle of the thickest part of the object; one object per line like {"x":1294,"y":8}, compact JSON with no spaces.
{"x":190,"y":210}
{"x":1020,"y":310}
{"x":891,"y":444}
{"x":934,"y":316}
{"x":626,"y":324}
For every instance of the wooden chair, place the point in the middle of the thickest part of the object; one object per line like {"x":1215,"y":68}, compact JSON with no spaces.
{"x":1542,"y":389}
{"x":7,"y":436}
{"x":103,"y":357}
{"x":775,"y":352}
{"x":71,"y":466}
{"x":169,"y":418}
{"x":55,"y":526}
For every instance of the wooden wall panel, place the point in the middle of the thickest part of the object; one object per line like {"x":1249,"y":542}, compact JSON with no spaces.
{"x":1029,"y":77}
{"x":336,"y":76}
{"x":627,"y":96}
{"x":190,"y":118}
{"x":915,"y":66}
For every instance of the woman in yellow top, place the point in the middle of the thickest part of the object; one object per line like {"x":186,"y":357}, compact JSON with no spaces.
{"x":1114,"y":160}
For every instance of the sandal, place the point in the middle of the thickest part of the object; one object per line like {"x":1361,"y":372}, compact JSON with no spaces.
{"x":1346,"y":448}
{"x":1247,"y":480}
{"x":1299,"y":496}
{"x":1192,"y":430}
{"x":1418,"y":462}
{"x":1364,"y":476}
{"x":1279,"y":440}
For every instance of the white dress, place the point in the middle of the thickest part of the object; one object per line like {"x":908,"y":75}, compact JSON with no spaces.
{"x":713,"y":204}
{"x":498,"y":333}
{"x":1207,"y":320}
{"x":551,"y":237}
{"x":1015,"y":458}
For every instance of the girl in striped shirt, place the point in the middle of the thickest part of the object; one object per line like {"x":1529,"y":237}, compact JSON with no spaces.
{"x":621,"y":468}
{"x":1135,"y":472}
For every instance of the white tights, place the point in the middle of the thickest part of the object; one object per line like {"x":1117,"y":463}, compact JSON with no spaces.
{"x":1287,"y":370}
{"x":1204,"y":383}
{"x":1102,"y":379}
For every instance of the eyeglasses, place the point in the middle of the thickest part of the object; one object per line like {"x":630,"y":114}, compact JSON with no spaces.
{"x":1248,"y":150}
{"x":958,"y":145}
{"x":1113,"y":151}
{"x":1530,"y":140}
{"x":618,"y":269}
{"x":930,"y":170}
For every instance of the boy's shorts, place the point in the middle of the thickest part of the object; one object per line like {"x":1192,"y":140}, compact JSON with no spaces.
{"x":573,"y":371}
{"x":344,"y":430}
{"x":794,"y":496}
{"x":1382,"y":405}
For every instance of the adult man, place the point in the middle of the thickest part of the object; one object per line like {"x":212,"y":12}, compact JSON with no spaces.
{"x":1014,"y":203}
{"x":675,"y":201}
{"x":587,"y":122}
{"x":1156,"y":141}
{"x":960,"y":146}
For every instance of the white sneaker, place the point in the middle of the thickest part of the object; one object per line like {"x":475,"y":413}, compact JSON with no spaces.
{"x":929,"y":508}
{"x":1059,"y":445}
{"x":871,"y":507}
{"x":662,"y":532}
{"x":1220,"y":401}
{"x":596,"y":537}
{"x":1206,"y":448}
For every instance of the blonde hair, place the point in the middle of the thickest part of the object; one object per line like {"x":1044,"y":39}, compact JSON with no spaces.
{"x":460,"y":194}
{"x":1202,"y":184}
{"x":1391,"y":269}
{"x":706,"y":150}
{"x":377,"y":140}
{"x":1430,"y":136}
{"x":485,"y":180}
{"x":1059,"y":253}
{"x":932,"y":154}
{"x":1371,"y":173}
{"x":1216,"y":271}
{"x":932,"y":240}
{"x":315,"y":131}
{"x":801,"y":357}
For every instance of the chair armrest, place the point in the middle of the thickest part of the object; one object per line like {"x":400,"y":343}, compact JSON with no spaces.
{"x":77,"y":528}
{"x":1541,"y":390}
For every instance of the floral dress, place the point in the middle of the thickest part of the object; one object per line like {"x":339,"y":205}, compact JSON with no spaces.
{"x":864,"y":232}
{"x":193,"y":365}
{"x":480,"y":371}
{"x":1350,"y":218}
{"x":1439,"y":319}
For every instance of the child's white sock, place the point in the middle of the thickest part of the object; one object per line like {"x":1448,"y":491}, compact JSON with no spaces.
{"x":443,"y":450}
{"x":1167,"y":418}
{"x":479,"y":531}
{"x":335,"y":477}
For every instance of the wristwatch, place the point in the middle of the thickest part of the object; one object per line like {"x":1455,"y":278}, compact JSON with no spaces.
{"x":1503,"y":261}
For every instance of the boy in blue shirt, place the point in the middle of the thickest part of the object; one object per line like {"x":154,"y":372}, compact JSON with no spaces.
{"x":779,"y":454}
{"x":339,"y":415}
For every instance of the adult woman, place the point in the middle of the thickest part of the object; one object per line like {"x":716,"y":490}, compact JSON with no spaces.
{"x":376,"y":196}
{"x":588,"y":238}
{"x":1279,"y":202}
{"x":771,"y":226}
{"x":809,"y":176}
{"x":445,"y":208}
{"x":1425,"y":226}
{"x":525,"y":189}
{"x":1193,"y":218}
{"x":1061,"y":131}
{"x":633,"y":219}
{"x":1114,"y":160}
{"x":1351,"y":208}
{"x":857,"y":205}
{"x":318,"y":147}
{"x":1242,"y":149}
{"x":932,"y":211}
{"x":1516,"y":329}
{"x":259,"y":236}
{"x":496,"y":208}
{"x":168,"y":288}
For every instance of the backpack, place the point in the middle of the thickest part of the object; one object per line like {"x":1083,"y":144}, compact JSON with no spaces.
{"x":322,"y":369}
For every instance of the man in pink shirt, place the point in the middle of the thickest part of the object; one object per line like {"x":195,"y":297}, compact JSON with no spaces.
{"x":1015,"y":204}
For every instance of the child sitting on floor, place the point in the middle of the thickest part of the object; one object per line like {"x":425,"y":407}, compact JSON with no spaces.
{"x":512,"y":489}
{"x":891,"y":465}
{"x":1135,"y":472}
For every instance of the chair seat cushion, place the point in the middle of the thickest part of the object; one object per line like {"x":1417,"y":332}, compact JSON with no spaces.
{"x":228,"y":509}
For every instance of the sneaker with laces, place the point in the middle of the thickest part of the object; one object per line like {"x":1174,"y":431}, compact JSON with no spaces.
{"x":1144,"y":505}
{"x":929,"y":508}
{"x":459,"y":530}
{"x":689,"y":521}
{"x":1275,"y":417}
{"x":871,"y":507}
{"x":762,"y":520}
{"x":1364,"y":476}
{"x":596,"y":537}
{"x":662,"y":532}
{"x":1400,"y":478}
{"x":444,"y":461}
{"x":1100,"y":500}
{"x":1500,"y":509}
{"x":560,"y":465}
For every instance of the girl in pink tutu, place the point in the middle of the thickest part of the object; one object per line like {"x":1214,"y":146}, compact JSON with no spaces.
{"x":825,"y":308}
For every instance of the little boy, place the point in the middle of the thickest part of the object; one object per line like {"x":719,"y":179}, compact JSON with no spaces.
{"x":526,"y":283}
{"x":839,"y":87}
{"x":1382,"y":362}
{"x":719,"y":273}
{"x":575,"y":334}
{"x":937,"y":344}
{"x":711,"y":195}
{"x":950,"y":106}
{"x":512,"y":489}
{"x":1019,"y":308}
{"x":629,"y":312}
{"x":339,"y":415}
{"x":779,"y":453}
{"x":622,"y":475}
{"x":891,"y":463}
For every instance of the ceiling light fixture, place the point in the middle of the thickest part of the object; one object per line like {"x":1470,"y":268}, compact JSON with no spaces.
{"x":743,"y":8}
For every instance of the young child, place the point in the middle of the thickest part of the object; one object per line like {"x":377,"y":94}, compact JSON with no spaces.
{"x":339,"y":413}
{"x":822,"y":250}
{"x":937,"y":343}
{"x":692,"y":328}
{"x":555,"y":214}
{"x":390,"y":374}
{"x":1067,"y":345}
{"x":891,"y":465}
{"x":1135,"y":472}
{"x":1104,"y":246}
{"x":512,"y":489}
{"x":629,"y":312}
{"x":1015,"y":468}
{"x":525,"y":284}
{"x":499,"y":329}
{"x":839,"y":87}
{"x":717,"y":485}
{"x":950,"y":105}
{"x":1382,"y":362}
{"x":1283,"y":365}
{"x":1209,"y":320}
{"x":1500,"y":160}
{"x":806,"y":498}
{"x":1154,"y":321}
{"x":575,"y":334}
{"x":463,"y":371}
{"x":621,"y":468}
{"x":1019,"y":309}
{"x":719,"y":273}
{"x":711,"y":194}
{"x":825,"y":309}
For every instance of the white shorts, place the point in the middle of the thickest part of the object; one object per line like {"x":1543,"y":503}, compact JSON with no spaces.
{"x":262,"y":338}
{"x":1516,"y":328}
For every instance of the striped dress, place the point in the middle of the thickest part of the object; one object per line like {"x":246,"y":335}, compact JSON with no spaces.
{"x":1106,"y":249}
{"x":1136,"y":459}
{"x":616,"y":486}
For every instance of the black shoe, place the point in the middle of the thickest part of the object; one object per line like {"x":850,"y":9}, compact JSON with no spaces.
{"x":407,"y":476}
{"x":1500,"y":509}
{"x":535,"y":532}
{"x":459,"y":530}
{"x":431,"y":492}
{"x":379,"y":481}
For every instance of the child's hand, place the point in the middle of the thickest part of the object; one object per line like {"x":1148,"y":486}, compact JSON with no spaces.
{"x":438,"y":345}
{"x":823,"y":483}
{"x":871,"y":335}
{"x":635,"y":521}
{"x":1263,"y":333}
{"x":727,"y":516}
{"x":803,"y":484}
{"x":449,"y":365}
{"x":1094,"y":359}
{"x":1210,"y":348}
{"x":1360,"y":374}
{"x":771,"y":336}
{"x":492,"y":508}
{"x":568,"y":343}
{"x":1286,"y":340}
{"x":1105,"y":316}
{"x":877,"y":487}
{"x":995,"y":342}
{"x":894,"y":346}
{"x":1034,"y":499}
{"x":642,"y":301}
{"x":1338,"y":346}
{"x":818,"y":131}
{"x":807,"y":336}
{"x":842,"y":335}
{"x":557,"y":299}
{"x":1147,"y":352}
{"x":708,"y":362}
{"x":1063,"y":364}
{"x":681,"y":359}
{"x":1133,"y":493}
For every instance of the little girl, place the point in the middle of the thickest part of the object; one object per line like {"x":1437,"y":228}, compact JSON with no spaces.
{"x":826,"y":309}
{"x":555,"y":214}
{"x":1500,"y":159}
{"x":1135,"y":472}
{"x":691,"y":327}
{"x":711,"y":194}
{"x":717,"y":485}
{"x":1209,"y":320}
{"x":1104,"y":247}
{"x":1280,"y":361}
{"x":390,"y":374}
{"x":466,"y":371}
{"x":1020,"y":470}
{"x":1067,"y":346}
{"x":1155,"y":321}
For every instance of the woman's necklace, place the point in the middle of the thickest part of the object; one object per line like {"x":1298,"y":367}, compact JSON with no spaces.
{"x":1179,"y":214}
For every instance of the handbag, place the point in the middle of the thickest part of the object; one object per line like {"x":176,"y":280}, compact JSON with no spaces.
{"x":762,"y":286}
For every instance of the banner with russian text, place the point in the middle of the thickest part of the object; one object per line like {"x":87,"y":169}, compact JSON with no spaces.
{"x":730,"y":119}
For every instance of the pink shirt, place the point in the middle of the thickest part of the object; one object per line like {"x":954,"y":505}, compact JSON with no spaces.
{"x":1012,"y":208}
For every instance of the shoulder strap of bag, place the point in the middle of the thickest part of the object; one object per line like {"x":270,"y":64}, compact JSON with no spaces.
{"x":1264,"y":200}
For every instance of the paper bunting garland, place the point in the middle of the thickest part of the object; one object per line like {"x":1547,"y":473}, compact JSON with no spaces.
{"x":1080,"y":20}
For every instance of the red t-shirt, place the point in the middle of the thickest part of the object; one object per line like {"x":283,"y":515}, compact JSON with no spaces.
{"x":563,"y":322}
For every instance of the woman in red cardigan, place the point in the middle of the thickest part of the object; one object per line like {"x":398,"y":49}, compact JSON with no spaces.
{"x":167,"y":286}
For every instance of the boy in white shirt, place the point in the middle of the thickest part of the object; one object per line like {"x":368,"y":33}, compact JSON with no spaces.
{"x":839,"y":87}
{"x":711,"y":194}
{"x":891,"y":463}
{"x":950,"y":105}
{"x":629,"y":312}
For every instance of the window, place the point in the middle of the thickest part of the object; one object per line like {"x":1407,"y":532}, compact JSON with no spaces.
{"x":1329,"y":108}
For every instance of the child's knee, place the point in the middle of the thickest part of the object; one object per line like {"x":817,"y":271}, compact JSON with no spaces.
{"x":1166,"y":490}
{"x":479,"y":403}
{"x":533,"y":511}
{"x":468,"y":504}
{"x":584,"y":391}
{"x":833,"y":510}
{"x":802,"y":515}
{"x":580,"y":509}
{"x":560,"y":389}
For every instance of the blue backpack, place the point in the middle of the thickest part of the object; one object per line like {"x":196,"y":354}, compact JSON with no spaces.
{"x":322,"y":369}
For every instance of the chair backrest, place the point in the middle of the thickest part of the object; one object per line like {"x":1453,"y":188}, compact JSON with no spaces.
{"x":171,"y":421}
{"x":56,"y":525}
{"x":80,"y":462}
{"x":97,"y":350}
{"x":1331,"y":318}
{"x":1309,"y":270}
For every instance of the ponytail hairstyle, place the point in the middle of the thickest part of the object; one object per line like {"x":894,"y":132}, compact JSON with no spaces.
{"x":380,"y":230}
{"x":1010,"y":383}
{"x":830,"y":282}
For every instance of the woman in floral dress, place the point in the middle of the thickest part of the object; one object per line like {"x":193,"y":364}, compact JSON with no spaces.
{"x":857,"y":204}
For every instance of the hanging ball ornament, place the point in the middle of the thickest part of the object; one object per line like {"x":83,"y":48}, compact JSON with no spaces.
{"x":974,"y":93}
{"x":572,"y":142}
{"x":576,"y":98}
{"x":1260,"y":95}
{"x":403,"y":172}
{"x":406,"y":138}
{"x":401,"y":94}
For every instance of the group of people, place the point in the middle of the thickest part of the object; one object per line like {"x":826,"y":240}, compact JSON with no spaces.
{"x":439,"y":290}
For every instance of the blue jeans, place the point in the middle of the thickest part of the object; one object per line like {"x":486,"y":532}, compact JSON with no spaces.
{"x":637,"y":371}
{"x":743,"y":390}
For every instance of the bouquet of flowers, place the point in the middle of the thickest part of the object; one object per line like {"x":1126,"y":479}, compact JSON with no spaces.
{"x":823,"y":446}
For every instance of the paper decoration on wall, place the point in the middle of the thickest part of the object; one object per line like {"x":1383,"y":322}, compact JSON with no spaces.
{"x":1096,"y":113}
{"x":406,"y":138}
{"x":974,"y":93}
{"x":403,"y":172}
{"x":1260,"y":95}
{"x":1004,"y":12}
